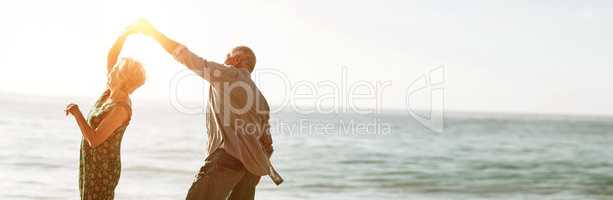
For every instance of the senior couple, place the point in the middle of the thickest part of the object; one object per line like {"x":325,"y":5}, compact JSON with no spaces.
{"x":237,"y":156}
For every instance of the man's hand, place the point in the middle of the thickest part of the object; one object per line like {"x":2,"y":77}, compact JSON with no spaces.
{"x":145,"y":27}
{"x":266,"y":141}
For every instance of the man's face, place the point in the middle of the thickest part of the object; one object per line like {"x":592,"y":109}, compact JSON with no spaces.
{"x":233,"y":59}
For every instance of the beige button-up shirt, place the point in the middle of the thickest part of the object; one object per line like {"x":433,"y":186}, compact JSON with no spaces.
{"x":237,"y":113}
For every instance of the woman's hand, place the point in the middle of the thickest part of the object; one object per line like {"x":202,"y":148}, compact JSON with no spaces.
{"x":72,"y":109}
{"x":143,"y":26}
{"x":132,"y":29}
{"x":129,"y":31}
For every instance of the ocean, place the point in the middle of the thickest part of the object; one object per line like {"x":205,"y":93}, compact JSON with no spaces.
{"x":322,"y":156}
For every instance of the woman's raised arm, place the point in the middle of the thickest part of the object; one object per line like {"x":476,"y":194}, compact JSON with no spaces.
{"x":117,"y":46}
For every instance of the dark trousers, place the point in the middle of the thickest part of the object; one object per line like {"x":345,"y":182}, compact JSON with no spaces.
{"x":223,"y":176}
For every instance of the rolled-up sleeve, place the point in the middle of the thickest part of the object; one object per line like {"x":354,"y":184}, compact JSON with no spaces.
{"x":210,"y":71}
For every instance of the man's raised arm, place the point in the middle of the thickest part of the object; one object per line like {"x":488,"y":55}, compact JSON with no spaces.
{"x":168,"y":44}
{"x":192,"y":61}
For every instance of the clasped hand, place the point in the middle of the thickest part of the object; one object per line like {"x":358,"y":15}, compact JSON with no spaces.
{"x":141,"y":26}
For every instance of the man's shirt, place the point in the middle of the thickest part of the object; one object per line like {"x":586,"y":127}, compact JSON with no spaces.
{"x":237,"y":113}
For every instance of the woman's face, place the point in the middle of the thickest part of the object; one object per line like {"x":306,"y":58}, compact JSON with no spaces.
{"x":127,"y":76}
{"x":114,"y":79}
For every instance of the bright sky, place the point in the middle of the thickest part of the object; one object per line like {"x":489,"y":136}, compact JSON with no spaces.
{"x":514,"y":56}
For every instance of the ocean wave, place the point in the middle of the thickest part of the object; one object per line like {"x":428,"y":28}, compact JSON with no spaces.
{"x":35,"y":164}
{"x":156,"y":170}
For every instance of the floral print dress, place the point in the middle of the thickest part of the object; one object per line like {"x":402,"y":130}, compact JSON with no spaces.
{"x":100,"y":167}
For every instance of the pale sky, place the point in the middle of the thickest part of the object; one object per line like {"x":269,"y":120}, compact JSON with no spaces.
{"x":512,"y":56}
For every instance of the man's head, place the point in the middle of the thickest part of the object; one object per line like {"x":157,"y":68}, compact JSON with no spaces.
{"x":241,"y":57}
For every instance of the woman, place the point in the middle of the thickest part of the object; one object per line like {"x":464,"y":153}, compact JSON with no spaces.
{"x":100,"y":162}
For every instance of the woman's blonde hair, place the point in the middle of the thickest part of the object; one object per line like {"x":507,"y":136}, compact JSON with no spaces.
{"x":131,"y":72}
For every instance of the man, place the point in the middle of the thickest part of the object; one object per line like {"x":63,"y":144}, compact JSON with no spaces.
{"x":237,"y":116}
